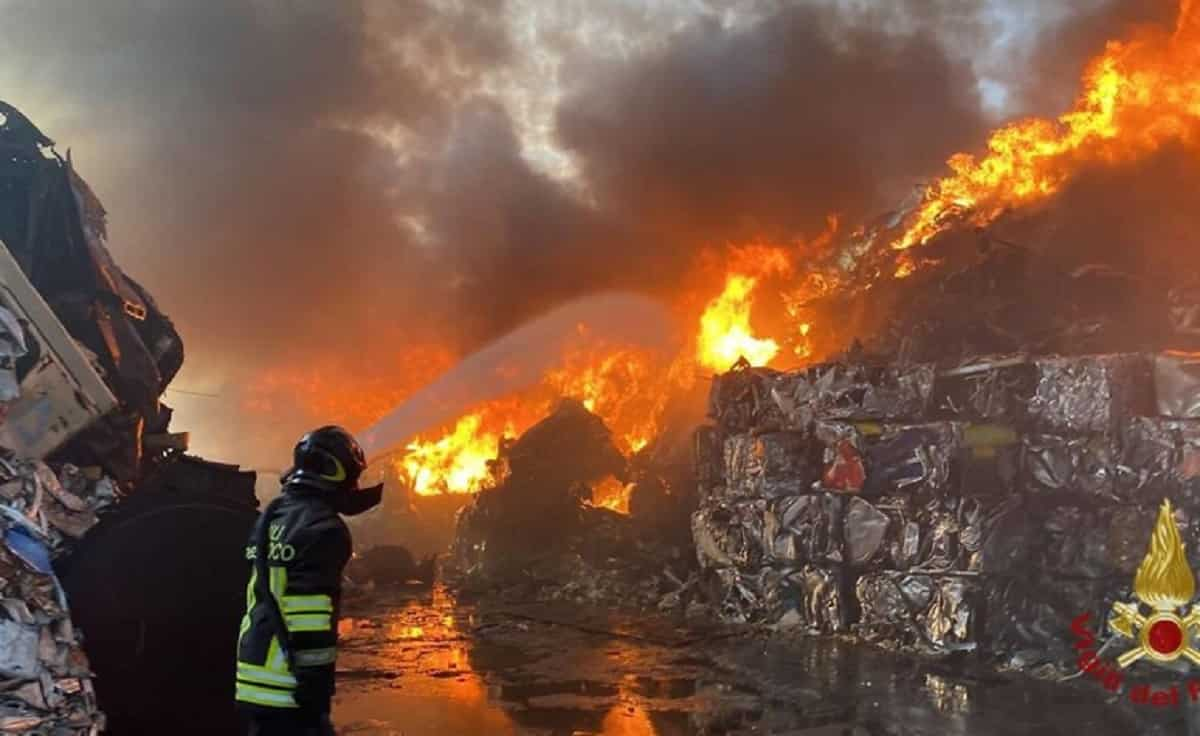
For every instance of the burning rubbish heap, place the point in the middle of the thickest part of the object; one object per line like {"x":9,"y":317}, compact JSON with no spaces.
{"x":85,"y":452}
{"x":548,"y":487}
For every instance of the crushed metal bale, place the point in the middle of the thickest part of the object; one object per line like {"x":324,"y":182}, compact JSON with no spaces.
{"x":981,"y":506}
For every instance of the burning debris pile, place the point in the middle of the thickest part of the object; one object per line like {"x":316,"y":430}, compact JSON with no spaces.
{"x":544,"y":528}
{"x":984,"y":506}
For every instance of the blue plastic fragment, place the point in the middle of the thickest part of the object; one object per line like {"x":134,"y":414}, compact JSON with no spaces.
{"x":29,"y":548}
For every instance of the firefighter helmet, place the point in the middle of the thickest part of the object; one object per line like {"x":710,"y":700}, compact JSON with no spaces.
{"x":329,"y":460}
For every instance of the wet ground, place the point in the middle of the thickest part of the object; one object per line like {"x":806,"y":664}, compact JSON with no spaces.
{"x":421,"y":663}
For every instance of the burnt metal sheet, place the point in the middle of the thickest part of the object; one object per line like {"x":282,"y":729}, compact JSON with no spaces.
{"x":1177,"y":384}
{"x":1095,"y":393}
{"x":768,"y":465}
{"x":730,"y":535}
{"x":810,"y":597}
{"x":929,"y":613}
{"x":866,"y":530}
{"x":61,"y":394}
{"x":1095,"y":543}
{"x":1071,"y":465}
{"x":807,"y":528}
{"x":851,"y":392}
{"x":913,"y":459}
{"x":990,"y":389}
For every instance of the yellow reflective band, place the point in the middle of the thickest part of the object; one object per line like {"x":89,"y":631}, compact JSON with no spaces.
{"x":278,"y":580}
{"x":339,"y":470}
{"x":248,"y":693}
{"x":264,"y":676}
{"x":276,"y":660}
{"x":307,"y":604}
{"x":309,"y":622}
{"x":315,"y":657}
{"x":250,"y":603}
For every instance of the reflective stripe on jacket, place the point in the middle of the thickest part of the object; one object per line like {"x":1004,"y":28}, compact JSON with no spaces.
{"x":307,"y":545}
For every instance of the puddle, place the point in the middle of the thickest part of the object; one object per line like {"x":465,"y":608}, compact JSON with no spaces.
{"x":426,"y":665}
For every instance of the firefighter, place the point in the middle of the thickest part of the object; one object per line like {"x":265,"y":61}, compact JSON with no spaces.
{"x":288,"y":640}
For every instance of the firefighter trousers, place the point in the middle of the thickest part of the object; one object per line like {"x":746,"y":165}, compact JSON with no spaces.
{"x":290,"y":723}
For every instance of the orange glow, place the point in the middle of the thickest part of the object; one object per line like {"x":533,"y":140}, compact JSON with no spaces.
{"x":628,"y":717}
{"x":725,"y":333}
{"x":626,"y":386}
{"x":1137,"y":96}
{"x":905,"y":268}
{"x":333,"y":389}
{"x":455,"y":463}
{"x":612,"y":494}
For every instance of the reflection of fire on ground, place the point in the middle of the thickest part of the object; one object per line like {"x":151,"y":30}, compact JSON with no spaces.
{"x":420,"y":639}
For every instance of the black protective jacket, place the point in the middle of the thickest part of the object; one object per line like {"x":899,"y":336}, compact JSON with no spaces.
{"x":287,"y":651}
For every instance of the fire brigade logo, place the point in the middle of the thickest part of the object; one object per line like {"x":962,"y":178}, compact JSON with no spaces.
{"x":1165,"y":587}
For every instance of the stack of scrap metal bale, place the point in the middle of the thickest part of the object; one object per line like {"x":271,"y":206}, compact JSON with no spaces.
{"x":984,"y":506}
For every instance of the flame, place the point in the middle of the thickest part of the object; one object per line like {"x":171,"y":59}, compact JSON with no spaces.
{"x":455,"y":463}
{"x":725,"y":333}
{"x":1137,"y":96}
{"x":1164,"y":580}
{"x":626,"y":386}
{"x":612,"y":494}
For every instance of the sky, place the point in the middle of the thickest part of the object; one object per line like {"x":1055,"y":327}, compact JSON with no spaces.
{"x":335,"y":201}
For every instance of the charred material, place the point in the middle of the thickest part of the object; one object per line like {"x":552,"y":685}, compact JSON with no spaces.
{"x":542,"y":490}
{"x":55,"y":228}
{"x":390,"y":564}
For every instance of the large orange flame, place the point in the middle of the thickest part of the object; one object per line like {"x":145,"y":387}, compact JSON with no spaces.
{"x":625,"y":386}
{"x":455,"y":463}
{"x":1137,"y":96}
{"x":725,"y":334}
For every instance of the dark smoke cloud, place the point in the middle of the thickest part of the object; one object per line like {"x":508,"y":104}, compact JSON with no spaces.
{"x":297,"y":179}
{"x":229,"y":147}
{"x":1048,"y":81}
{"x":764,"y":131}
{"x":259,"y":201}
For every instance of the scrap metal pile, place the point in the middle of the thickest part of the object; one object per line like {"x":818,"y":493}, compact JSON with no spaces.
{"x":85,"y":354}
{"x":980,"y":507}
{"x":55,"y":229}
{"x":46,"y":685}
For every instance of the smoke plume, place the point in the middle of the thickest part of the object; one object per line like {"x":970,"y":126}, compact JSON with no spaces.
{"x":335,"y":200}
